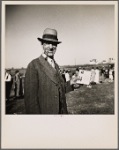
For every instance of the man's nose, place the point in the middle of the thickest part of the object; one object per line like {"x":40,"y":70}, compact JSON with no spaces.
{"x":50,"y":45}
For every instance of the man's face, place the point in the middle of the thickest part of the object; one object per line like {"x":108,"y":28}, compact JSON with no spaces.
{"x":49,"y":49}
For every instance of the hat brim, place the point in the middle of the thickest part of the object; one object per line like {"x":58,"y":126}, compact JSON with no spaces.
{"x":48,"y":40}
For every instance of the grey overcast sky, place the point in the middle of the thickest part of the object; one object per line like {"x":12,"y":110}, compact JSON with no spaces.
{"x":86,"y":32}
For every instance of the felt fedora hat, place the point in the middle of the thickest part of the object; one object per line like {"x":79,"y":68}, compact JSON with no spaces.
{"x":49,"y":35}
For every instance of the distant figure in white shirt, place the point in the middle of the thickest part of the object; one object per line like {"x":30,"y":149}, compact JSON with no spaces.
{"x":97,"y":74}
{"x":8,"y":84}
{"x":93,"y":73}
{"x":67,"y":77}
{"x":111,"y":75}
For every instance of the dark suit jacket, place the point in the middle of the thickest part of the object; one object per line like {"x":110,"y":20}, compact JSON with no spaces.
{"x":44,"y":89}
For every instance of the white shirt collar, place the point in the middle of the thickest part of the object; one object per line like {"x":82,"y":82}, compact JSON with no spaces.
{"x":44,"y":55}
{"x":50,"y":61}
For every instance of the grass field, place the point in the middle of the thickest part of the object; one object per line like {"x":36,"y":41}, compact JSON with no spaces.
{"x":96,"y":100}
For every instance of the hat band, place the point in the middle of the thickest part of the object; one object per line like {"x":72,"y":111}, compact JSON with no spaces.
{"x":50,"y":37}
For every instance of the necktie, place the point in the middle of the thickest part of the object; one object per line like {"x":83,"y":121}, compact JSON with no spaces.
{"x":52,"y":63}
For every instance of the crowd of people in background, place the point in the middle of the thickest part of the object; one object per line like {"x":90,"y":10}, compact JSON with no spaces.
{"x":98,"y":75}
{"x":14,"y":85}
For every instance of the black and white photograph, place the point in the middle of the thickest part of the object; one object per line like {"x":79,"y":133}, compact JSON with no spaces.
{"x":59,"y":60}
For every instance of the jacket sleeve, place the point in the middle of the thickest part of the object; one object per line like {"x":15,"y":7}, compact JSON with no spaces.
{"x":31,"y":90}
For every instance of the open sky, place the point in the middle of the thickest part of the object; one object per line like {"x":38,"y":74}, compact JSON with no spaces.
{"x":86,"y":32}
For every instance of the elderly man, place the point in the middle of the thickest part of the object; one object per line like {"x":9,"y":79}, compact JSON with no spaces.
{"x":44,"y":85}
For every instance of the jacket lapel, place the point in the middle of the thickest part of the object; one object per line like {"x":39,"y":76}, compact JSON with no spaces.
{"x":48,"y":69}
